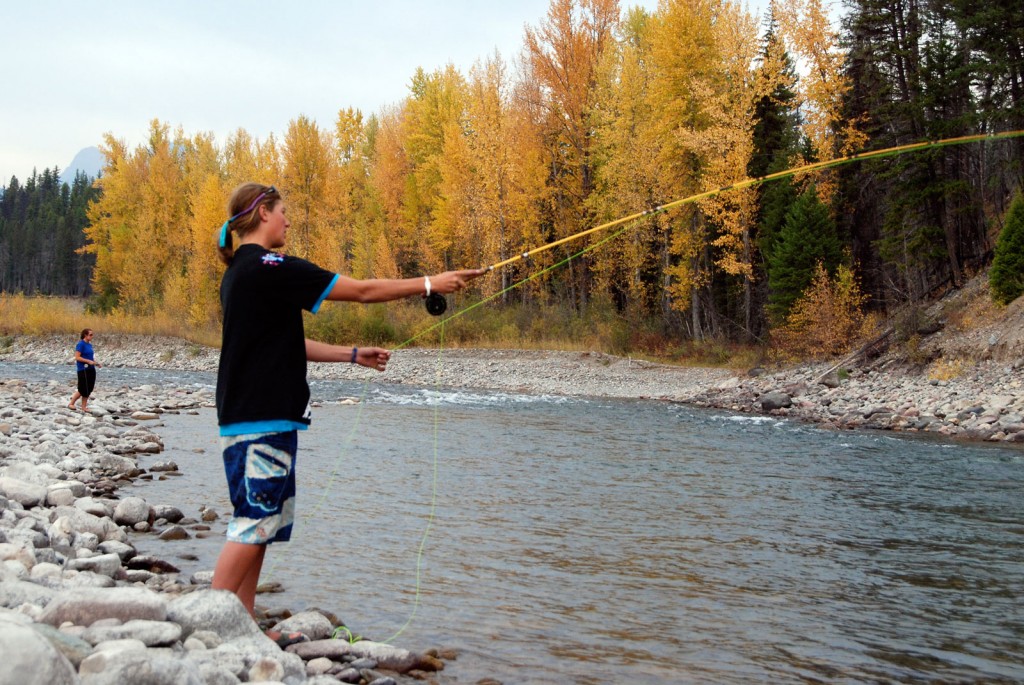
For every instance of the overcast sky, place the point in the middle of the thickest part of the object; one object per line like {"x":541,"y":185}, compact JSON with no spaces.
{"x":76,"y":70}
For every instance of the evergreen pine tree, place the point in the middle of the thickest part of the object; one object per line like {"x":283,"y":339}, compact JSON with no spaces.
{"x":776,"y":142}
{"x":1006,"y":278}
{"x":808,"y":237}
{"x":41,"y":226}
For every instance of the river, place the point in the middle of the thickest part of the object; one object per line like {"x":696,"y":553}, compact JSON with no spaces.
{"x":606,"y":541}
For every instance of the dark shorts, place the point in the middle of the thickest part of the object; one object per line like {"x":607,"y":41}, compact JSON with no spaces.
{"x":86,"y":381}
{"x":260,"y":468}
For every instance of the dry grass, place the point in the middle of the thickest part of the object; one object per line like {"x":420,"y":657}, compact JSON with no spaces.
{"x":948,"y":369}
{"x":510,"y":327}
{"x":973,"y":308}
{"x":24,"y":315}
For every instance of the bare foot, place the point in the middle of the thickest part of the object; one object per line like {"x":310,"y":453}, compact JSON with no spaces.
{"x":285,"y":639}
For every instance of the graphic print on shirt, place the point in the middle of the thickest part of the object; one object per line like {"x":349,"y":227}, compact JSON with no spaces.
{"x":273,"y":259}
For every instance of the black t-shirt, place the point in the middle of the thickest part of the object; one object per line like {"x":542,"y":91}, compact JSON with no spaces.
{"x":262,"y":373}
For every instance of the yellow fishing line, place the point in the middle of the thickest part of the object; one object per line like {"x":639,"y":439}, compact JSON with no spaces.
{"x":433,"y":491}
{"x":626,"y":223}
{"x":750,"y":182}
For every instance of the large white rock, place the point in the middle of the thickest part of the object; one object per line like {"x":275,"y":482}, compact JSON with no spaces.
{"x":30,"y":659}
{"x":150,"y":633}
{"x":132,"y":510}
{"x":23,"y":492}
{"x":218,"y":611}
{"x":312,"y":624}
{"x":139,"y":668}
{"x":84,"y":606}
{"x":103,"y":564}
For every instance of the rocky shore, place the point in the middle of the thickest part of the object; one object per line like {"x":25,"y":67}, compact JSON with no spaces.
{"x":983,"y":400}
{"x":985,"y":403}
{"x":79,"y":604}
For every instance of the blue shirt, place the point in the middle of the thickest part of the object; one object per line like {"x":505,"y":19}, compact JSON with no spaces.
{"x":84,"y":349}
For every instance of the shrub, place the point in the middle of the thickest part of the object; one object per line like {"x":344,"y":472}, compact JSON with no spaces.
{"x":1006,"y":278}
{"x":827,"y":318}
{"x":808,"y":238}
{"x":949,"y":369}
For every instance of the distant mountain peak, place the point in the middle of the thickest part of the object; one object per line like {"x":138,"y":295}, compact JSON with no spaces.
{"x":88,"y":160}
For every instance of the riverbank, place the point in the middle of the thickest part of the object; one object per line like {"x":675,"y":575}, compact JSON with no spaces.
{"x":77,"y":596}
{"x":979,"y":401}
{"x":79,"y":604}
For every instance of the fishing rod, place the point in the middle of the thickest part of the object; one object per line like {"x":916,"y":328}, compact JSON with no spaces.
{"x":436,"y":303}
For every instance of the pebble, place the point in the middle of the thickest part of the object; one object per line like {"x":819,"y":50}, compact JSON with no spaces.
{"x":987,"y":405}
{"x":80,"y":606}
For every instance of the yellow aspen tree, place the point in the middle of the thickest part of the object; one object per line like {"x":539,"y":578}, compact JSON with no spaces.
{"x":388,"y":174}
{"x":350,"y":150}
{"x":508,"y":173}
{"x":200,"y":157}
{"x":507,"y":155}
{"x":486,"y":113}
{"x":136,"y":226}
{"x":702,"y":96}
{"x":528,"y":194}
{"x":563,"y":54}
{"x":367,"y":216}
{"x":190,"y":291}
{"x":333,"y":236}
{"x":492,"y":177}
{"x":156,"y":245}
{"x":111,"y":220}
{"x":241,"y":161}
{"x":685,"y":71}
{"x":433,"y":119}
{"x":726,"y":145}
{"x":208,"y":203}
{"x":384,"y":265}
{"x":269,"y":160}
{"x":351,"y":194}
{"x":456,"y":222}
{"x":246,"y":159}
{"x":305,"y":182}
{"x":823,"y":84}
{"x":626,"y":169}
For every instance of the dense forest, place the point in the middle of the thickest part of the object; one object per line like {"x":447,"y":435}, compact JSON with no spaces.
{"x":42,"y":226}
{"x":604,"y":113}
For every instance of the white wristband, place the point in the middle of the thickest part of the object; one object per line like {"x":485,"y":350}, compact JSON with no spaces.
{"x":426,"y":281}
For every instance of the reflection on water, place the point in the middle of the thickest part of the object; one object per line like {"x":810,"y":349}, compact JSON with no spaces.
{"x":594,"y":541}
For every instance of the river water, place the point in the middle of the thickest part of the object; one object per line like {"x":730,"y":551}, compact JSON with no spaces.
{"x":608,"y":541}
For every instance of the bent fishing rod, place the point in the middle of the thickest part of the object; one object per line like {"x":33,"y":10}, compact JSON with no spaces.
{"x":436,"y":303}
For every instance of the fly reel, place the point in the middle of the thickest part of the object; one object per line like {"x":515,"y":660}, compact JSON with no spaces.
{"x":436,"y":304}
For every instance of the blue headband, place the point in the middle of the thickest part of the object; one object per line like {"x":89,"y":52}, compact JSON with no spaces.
{"x":223,"y":242}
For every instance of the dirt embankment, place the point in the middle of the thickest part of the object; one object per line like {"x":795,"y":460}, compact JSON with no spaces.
{"x":971,"y":328}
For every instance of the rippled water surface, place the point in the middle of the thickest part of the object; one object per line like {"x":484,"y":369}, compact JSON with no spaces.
{"x":597,"y":541}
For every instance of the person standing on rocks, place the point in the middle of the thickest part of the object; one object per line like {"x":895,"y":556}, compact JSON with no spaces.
{"x":262,"y":393}
{"x":86,"y":365}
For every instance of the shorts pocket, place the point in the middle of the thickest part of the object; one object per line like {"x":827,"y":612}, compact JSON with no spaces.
{"x":268,"y":477}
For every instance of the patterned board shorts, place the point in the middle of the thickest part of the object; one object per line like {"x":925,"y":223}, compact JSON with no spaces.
{"x":260,"y":468}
